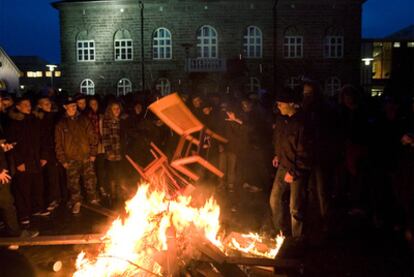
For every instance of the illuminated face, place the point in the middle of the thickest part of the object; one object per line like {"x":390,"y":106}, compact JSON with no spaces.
{"x":70,"y":109}
{"x":45,"y":104}
{"x":207,"y":110}
{"x":197,"y":102}
{"x":24,"y":107}
{"x":7,"y":103}
{"x":116,"y":110}
{"x":81,"y":104}
{"x":94,"y":105}
{"x":138,"y":108}
{"x":307,"y":90}
{"x":284,"y":108}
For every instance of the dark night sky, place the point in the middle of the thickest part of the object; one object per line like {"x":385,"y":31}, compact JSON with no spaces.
{"x":31,"y":27}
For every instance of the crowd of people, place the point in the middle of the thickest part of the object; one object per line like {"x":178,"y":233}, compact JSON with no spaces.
{"x":348,"y":153}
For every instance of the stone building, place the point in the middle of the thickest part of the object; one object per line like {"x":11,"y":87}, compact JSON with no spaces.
{"x":208,"y":46}
{"x":9,"y":73}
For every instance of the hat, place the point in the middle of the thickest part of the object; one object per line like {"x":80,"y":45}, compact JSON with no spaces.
{"x":288,"y":95}
{"x":79,"y":96}
{"x":69,"y":100}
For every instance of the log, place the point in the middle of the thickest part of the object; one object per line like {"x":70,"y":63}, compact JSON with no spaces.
{"x":101,"y":210}
{"x":54,"y":240}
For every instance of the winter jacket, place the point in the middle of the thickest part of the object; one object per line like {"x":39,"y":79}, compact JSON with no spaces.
{"x":26,"y":131}
{"x":47,"y":124}
{"x":75,"y":139}
{"x":293,"y":144}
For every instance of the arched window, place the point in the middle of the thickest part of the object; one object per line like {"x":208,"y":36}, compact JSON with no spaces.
{"x":293,"y":82}
{"x":207,"y":43}
{"x":332,"y":86}
{"x":123,"y":46}
{"x":292,"y":43}
{"x":254,"y":85}
{"x":333,"y":44}
{"x":253,"y":42}
{"x":163,"y":86}
{"x":124,"y":87}
{"x":85,"y":47}
{"x":162,"y":44}
{"x":87,"y":87}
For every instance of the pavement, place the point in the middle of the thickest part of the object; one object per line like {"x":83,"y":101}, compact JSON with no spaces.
{"x":357,"y":249}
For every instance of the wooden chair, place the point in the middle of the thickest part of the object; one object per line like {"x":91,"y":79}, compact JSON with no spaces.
{"x":176,"y":115}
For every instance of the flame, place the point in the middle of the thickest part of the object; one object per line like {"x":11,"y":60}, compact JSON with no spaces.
{"x":132,"y":246}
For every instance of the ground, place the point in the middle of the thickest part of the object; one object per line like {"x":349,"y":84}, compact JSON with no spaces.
{"x":358,"y":250}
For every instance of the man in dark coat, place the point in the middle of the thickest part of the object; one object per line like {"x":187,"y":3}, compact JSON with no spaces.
{"x":48,"y":120}
{"x":29,"y":158}
{"x":293,"y":160}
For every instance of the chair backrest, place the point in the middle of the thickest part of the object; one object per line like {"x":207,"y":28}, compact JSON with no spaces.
{"x":176,"y":115}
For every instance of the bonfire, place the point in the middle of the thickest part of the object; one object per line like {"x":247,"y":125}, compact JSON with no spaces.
{"x":159,"y":237}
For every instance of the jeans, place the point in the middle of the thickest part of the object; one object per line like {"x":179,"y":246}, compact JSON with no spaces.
{"x":227,"y":164}
{"x":297,"y":202}
{"x":8,"y":211}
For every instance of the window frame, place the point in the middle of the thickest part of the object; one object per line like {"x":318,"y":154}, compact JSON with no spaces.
{"x":290,"y":49}
{"x":156,"y":47}
{"x":124,"y":84}
{"x":88,"y":86}
{"x":160,"y":86}
{"x":202,"y":45}
{"x":330,"y":85}
{"x":125,"y":48}
{"x":330,"y":50}
{"x":83,"y":49}
{"x":247,"y":45}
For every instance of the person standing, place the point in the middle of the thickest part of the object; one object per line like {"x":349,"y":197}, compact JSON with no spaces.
{"x":51,"y":170}
{"x":76,"y":149}
{"x":111,"y":140}
{"x":29,"y":157}
{"x":293,"y":160}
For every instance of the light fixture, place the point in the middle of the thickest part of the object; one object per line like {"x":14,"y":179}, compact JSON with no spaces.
{"x":51,"y":67}
{"x":122,"y":10}
{"x":367,"y":61}
{"x":22,"y":87}
{"x":59,"y":89}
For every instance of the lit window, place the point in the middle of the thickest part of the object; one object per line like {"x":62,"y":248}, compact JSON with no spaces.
{"x":123,"y":46}
{"x":397,"y":44}
{"x":85,"y":50}
{"x":293,"y":47}
{"x":254,"y":85}
{"x":31,"y":74}
{"x":253,"y":42}
{"x":207,"y":42}
{"x":377,"y":92}
{"x":334,"y":47}
{"x":332,"y":86}
{"x":163,"y":86}
{"x":58,"y":73}
{"x":162,"y":44}
{"x":293,"y":82}
{"x":124,"y":87}
{"x":87,"y":87}
{"x":39,"y":74}
{"x":410,"y":44}
{"x":48,"y":74}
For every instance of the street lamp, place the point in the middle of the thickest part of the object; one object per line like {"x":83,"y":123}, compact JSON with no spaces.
{"x":367,"y":61}
{"x":51,"y":68}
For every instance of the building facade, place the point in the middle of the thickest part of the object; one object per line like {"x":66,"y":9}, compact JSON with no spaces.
{"x":37,"y":74}
{"x":208,"y":46}
{"x":389,"y":64}
{"x":9,"y":73}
